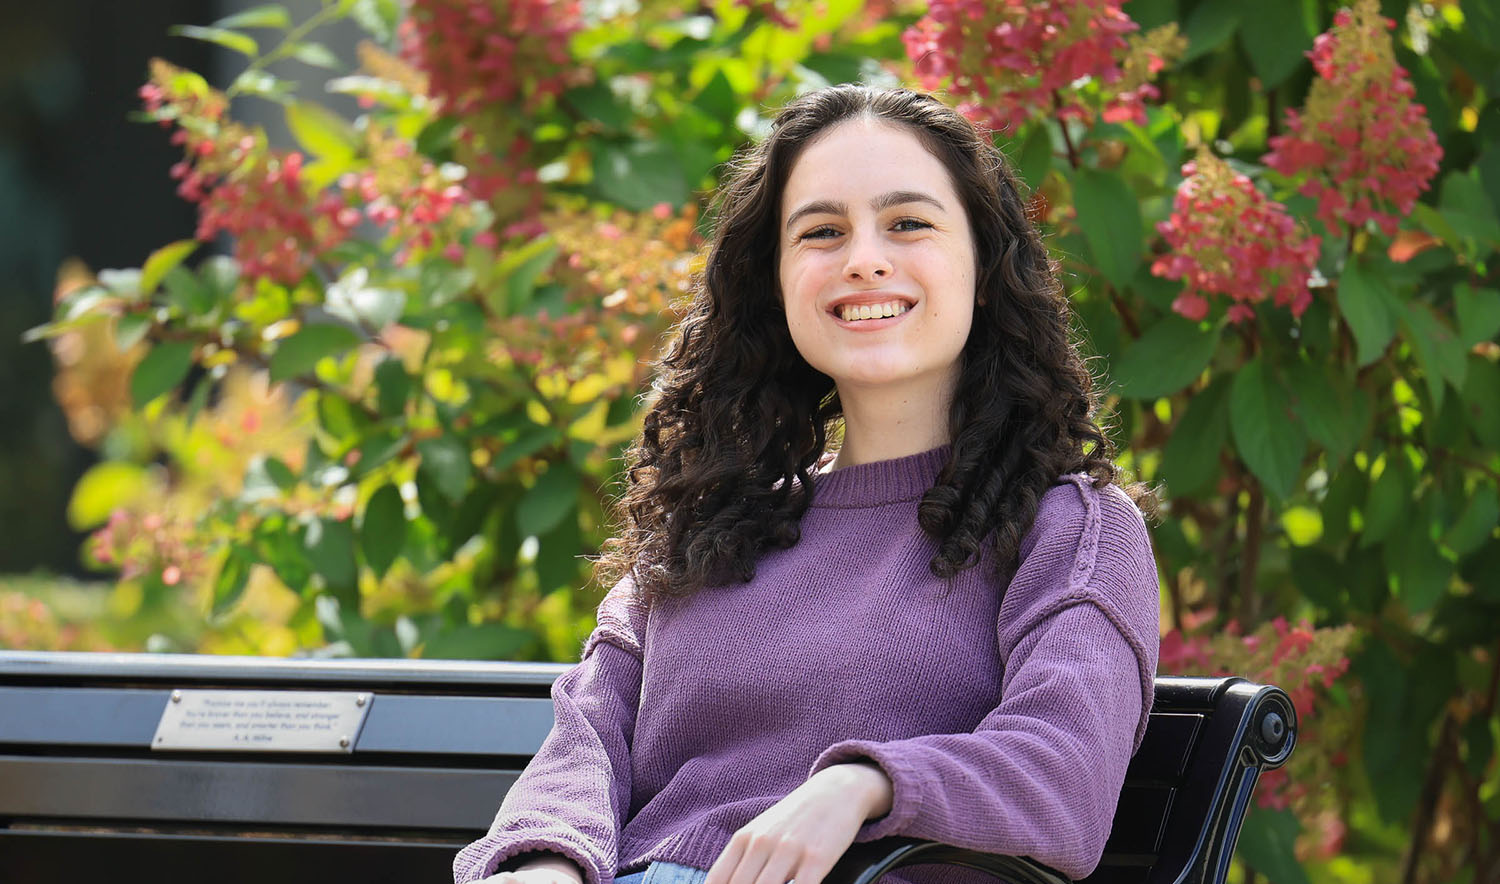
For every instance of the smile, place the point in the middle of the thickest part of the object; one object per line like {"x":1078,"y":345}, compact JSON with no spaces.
{"x":858,"y":312}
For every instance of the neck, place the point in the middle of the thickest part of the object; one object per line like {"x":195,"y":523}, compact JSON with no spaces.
{"x":885,"y":422}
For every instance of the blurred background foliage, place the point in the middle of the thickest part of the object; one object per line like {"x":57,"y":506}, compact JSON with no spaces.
{"x":374,"y":405}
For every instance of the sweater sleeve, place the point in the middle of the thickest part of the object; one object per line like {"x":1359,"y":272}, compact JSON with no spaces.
{"x":573,"y":797}
{"x":1041,"y":773}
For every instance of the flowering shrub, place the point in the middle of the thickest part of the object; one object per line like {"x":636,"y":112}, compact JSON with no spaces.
{"x":1227,"y":238}
{"x":1014,"y":60}
{"x":1364,"y":145}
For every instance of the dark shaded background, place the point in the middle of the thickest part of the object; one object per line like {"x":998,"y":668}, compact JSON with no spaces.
{"x":77,"y":178}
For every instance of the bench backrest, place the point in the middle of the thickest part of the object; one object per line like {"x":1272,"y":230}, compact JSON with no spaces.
{"x":440,"y":745}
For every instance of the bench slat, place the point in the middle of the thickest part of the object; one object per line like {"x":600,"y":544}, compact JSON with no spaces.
{"x":397,"y":723}
{"x":1164,"y":753}
{"x":151,"y":859}
{"x":353,"y":797}
{"x":1140,"y":819}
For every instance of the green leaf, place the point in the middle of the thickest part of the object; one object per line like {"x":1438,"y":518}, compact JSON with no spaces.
{"x":255,"y":81}
{"x":1209,"y":26}
{"x":559,"y":554}
{"x":330,"y":550}
{"x":1170,"y":355}
{"x":298,"y":354}
{"x":163,"y":260}
{"x":544,"y":505}
{"x":317,"y":55}
{"x":322,"y":132}
{"x":1369,"y":306}
{"x":446,"y":460}
{"x":101,"y":489}
{"x":354,"y":300}
{"x":639,"y":175}
{"x":230,"y":582}
{"x":522,"y":267}
{"x":267,"y":16}
{"x":1268,"y":839}
{"x":1422,"y":573}
{"x":232,"y":40}
{"x":131,"y":329}
{"x":188,"y":293}
{"x":162,"y":370}
{"x":1482,"y":400}
{"x":1275,"y":39}
{"x":383,"y":531}
{"x":1438,"y":350}
{"x":1268,"y":438}
{"x":1110,"y":217}
{"x":1476,"y":524}
{"x":1404,"y":699}
{"x":1478,"y":313}
{"x":1036,"y":156}
{"x":1334,"y":411}
{"x":1190,"y":460}
{"x":597,"y":104}
{"x":1388,"y":503}
{"x":393,"y":387}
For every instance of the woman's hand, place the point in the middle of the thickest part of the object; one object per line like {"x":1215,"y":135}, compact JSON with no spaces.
{"x":547,"y":869}
{"x":801,"y":836}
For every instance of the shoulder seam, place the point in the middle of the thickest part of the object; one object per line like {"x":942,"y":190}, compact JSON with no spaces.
{"x":1087,"y":551}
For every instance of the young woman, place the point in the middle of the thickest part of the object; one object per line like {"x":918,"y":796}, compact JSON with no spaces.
{"x":876,"y":576}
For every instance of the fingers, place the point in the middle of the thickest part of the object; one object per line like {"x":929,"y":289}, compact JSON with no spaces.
{"x":757,"y":858}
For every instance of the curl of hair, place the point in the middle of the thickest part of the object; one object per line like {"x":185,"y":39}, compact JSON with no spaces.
{"x":738,"y":419}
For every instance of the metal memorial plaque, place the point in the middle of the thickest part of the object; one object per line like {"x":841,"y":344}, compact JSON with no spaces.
{"x":262,"y":721}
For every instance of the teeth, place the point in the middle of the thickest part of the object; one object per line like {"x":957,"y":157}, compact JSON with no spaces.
{"x":851,"y":312}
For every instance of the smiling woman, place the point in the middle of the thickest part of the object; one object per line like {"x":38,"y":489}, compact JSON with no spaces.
{"x":944,"y":627}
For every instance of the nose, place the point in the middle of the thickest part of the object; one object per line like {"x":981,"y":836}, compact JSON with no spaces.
{"x":867,"y":261}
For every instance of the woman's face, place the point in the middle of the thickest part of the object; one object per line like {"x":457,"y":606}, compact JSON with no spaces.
{"x":876,"y":260}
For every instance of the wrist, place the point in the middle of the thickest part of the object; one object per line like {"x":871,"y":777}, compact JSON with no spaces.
{"x":870,"y":783}
{"x":553,"y":862}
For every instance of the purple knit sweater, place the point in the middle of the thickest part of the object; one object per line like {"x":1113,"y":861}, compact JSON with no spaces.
{"x":1004,"y":725}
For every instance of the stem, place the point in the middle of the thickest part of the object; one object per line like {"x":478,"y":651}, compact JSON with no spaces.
{"x":1127,"y":316}
{"x":1063,"y":125}
{"x":1221,"y":551}
{"x":1432,"y":787}
{"x":283,"y":49}
{"x":1255,"y":517}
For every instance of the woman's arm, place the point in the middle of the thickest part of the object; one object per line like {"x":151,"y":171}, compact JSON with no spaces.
{"x":570,"y":802}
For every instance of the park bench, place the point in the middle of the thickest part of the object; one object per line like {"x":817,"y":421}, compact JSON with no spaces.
{"x":431,"y":748}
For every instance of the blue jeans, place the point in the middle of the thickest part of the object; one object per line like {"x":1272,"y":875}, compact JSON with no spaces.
{"x":664,"y":873}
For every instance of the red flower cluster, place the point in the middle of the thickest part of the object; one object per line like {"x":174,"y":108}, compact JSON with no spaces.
{"x":478,"y":53}
{"x":1227,"y":238}
{"x":1366,"y":146}
{"x":140,"y":544}
{"x":242,"y":186}
{"x":1009,"y":60}
{"x":1303,"y":661}
{"x":418,"y":203}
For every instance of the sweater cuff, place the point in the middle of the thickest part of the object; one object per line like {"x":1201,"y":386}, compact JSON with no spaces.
{"x":483,"y":858}
{"x":906,"y":784}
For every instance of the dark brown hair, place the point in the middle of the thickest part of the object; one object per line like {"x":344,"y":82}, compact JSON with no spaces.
{"x":737,"y":417}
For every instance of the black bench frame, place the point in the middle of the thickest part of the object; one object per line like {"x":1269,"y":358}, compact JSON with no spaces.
{"x":83,"y":795}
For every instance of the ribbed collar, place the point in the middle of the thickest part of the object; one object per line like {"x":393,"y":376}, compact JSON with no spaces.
{"x":880,"y":482}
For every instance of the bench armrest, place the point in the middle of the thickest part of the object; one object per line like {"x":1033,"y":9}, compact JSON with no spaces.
{"x":865,"y":863}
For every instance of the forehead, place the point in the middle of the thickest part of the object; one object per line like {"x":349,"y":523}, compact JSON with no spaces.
{"x":862,"y":158}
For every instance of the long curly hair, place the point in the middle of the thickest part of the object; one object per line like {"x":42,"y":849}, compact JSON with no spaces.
{"x":737,"y":419}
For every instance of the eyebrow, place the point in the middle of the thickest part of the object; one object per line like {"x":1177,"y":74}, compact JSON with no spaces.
{"x":879,"y":203}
